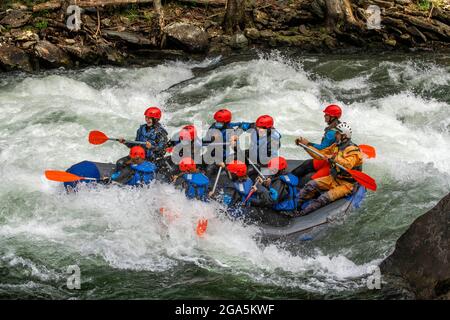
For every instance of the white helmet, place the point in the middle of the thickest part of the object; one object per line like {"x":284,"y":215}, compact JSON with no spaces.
{"x":344,"y":128}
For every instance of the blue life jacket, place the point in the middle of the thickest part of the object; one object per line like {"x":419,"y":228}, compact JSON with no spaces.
{"x":151,"y":135}
{"x":244,"y":188}
{"x":260,"y":145}
{"x":144,"y":173}
{"x":197,"y":186}
{"x":291,"y":202}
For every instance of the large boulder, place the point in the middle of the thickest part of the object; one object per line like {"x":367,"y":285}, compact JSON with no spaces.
{"x":52,"y":56}
{"x":422,"y":254}
{"x":16,"y":19}
{"x":13,"y":58}
{"x":190,"y":37}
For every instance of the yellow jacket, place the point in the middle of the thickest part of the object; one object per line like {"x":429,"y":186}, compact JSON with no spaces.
{"x":347,"y":155}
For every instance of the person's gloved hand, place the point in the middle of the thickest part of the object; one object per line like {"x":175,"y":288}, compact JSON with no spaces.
{"x":273,"y":194}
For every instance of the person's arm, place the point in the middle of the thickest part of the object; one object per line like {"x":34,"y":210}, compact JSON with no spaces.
{"x":326,"y":152}
{"x":350,"y":158}
{"x":262,"y":197}
{"x":328,"y":140}
{"x":131,"y":145}
{"x":161,"y":142}
{"x":124,"y":175}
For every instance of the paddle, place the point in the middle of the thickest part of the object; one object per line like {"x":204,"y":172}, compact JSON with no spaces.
{"x":257,"y":170}
{"x":201,"y":227}
{"x":62,"y":176}
{"x":98,"y":137}
{"x":362,"y":178}
{"x":253,"y":190}
{"x":215,"y":182}
{"x":369,"y":151}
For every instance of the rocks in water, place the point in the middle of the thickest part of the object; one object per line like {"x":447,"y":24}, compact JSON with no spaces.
{"x":238,"y":41}
{"x":390,"y":42}
{"x":16,"y":19}
{"x":51,"y":55}
{"x":422,"y":254}
{"x":191,"y":37}
{"x":13,"y":58}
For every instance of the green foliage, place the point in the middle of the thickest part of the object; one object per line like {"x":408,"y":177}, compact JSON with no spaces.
{"x":424,"y":5}
{"x":148,"y":15}
{"x":41,"y":24}
{"x":132,"y":14}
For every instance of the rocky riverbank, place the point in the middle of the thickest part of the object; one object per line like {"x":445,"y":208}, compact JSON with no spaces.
{"x":422,"y":254}
{"x":34,"y":34}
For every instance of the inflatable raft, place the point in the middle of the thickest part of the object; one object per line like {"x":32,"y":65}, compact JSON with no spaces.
{"x":273,"y":224}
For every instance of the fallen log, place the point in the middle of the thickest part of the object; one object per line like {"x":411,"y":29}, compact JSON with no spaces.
{"x":51,"y":5}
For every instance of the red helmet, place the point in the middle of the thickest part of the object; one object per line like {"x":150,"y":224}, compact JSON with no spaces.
{"x":333,"y":110}
{"x":277,"y":164}
{"x":264,"y":121}
{"x":153,"y":112}
{"x":223,"y":115}
{"x":187,"y":164}
{"x":188,"y":133}
{"x":237,"y":167}
{"x":137,"y":152}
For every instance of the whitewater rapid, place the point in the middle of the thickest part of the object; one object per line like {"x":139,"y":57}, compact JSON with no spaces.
{"x":399,"y":107}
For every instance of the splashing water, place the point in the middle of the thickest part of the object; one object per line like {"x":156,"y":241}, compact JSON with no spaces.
{"x":117,"y":236}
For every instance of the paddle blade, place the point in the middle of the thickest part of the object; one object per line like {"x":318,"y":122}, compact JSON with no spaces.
{"x":97,"y":137}
{"x":364,"y":179}
{"x":369,"y":151}
{"x":248,"y":197}
{"x":61,"y":176}
{"x":201,"y":227}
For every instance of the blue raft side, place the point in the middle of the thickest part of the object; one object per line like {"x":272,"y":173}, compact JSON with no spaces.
{"x":86,"y":169}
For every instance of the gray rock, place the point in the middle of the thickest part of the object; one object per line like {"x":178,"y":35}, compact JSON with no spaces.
{"x":302,"y":29}
{"x":24,"y":35}
{"x":128,"y":37}
{"x":260,"y":17}
{"x":16,"y":19}
{"x":422,"y":254}
{"x":191,"y":37}
{"x":403,"y":2}
{"x":13,"y":58}
{"x":238,"y":41}
{"x":252,"y":33}
{"x":51,"y":55}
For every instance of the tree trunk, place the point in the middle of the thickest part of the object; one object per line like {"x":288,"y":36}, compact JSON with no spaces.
{"x":160,"y":16}
{"x":234,"y":20}
{"x":340,"y":14}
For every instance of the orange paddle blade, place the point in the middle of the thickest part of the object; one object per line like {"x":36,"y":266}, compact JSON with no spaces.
{"x":97,"y":137}
{"x":364,"y":179}
{"x":368,"y":150}
{"x":61,"y":176}
{"x":201,"y":227}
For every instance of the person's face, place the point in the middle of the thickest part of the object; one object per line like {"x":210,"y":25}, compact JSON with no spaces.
{"x":219,"y":125}
{"x":149,"y":121}
{"x":338,"y":136}
{"x":327,"y":118}
{"x":136,"y":160}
